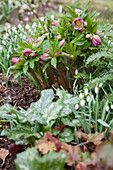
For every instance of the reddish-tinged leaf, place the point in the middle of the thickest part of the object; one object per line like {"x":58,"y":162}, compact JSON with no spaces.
{"x":73,"y":153}
{"x":61,"y":128}
{"x":3,"y":155}
{"x":13,"y":148}
{"x":81,"y":166}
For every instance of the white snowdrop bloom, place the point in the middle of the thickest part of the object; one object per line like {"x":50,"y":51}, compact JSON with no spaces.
{"x":76,"y":106}
{"x":7,"y":35}
{"x":24,"y":37}
{"x":81,"y":95}
{"x":52,"y":17}
{"x":88,"y":98}
{"x":60,"y":8}
{"x":76,"y":72}
{"x":27,"y":26}
{"x":8,"y":56}
{"x":105,"y":36}
{"x":86,"y":91}
{"x":45,"y":27}
{"x":10,"y":1}
{"x":9,"y":31}
{"x":0,"y":47}
{"x":100,"y":85}
{"x":15,"y":36}
{"x":8,"y":26}
{"x":22,"y":29}
{"x":107,"y":108}
{"x":15,"y":31}
{"x":42,"y":19}
{"x":111,"y":106}
{"x":34,"y":24}
{"x":3,"y":42}
{"x":96,"y":90}
{"x":109,"y":42}
{"x":21,"y":34}
{"x":29,"y":30}
{"x":13,"y":28}
{"x":4,"y":36}
{"x":19,"y":26}
{"x":78,"y":11}
{"x":82,"y":103}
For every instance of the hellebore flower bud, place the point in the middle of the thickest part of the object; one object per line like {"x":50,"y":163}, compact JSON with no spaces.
{"x":62,"y":43}
{"x":88,"y":36}
{"x":57,"y":53}
{"x":78,"y":23}
{"x":54,"y":24}
{"x":96,"y":40}
{"x":15,"y":60}
{"x":26,"y":52}
{"x":58,"y":36}
{"x":33,"y":54}
{"x":39,"y":38}
{"x":43,"y":57}
{"x":29,"y":39}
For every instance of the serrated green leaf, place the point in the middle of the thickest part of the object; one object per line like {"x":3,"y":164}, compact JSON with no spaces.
{"x":31,"y":160}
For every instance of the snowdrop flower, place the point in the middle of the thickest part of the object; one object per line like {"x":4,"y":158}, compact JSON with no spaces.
{"x":76,"y":106}
{"x":9,"y":31}
{"x":81,"y":95}
{"x":8,"y":26}
{"x":96,"y":90}
{"x":111,"y":106}
{"x":15,"y":36}
{"x":52,"y":17}
{"x":22,"y":29}
{"x":88,"y":98}
{"x":76,"y":72}
{"x":24,"y":37}
{"x":100,"y":85}
{"x":82,"y":103}
{"x":3,"y":42}
{"x":13,"y":28}
{"x":107,"y":108}
{"x":0,"y":47}
{"x":42,"y":19}
{"x":78,"y":11}
{"x":15,"y":31}
{"x":34,"y":24}
{"x":7,"y":35}
{"x":27,"y":26}
{"x":109,"y":42}
{"x":86,"y":91}
{"x":21,"y":35}
{"x":29,"y":30}
{"x":60,"y":9}
{"x":105,"y":36}
{"x":19,"y":26}
{"x":8,"y":56}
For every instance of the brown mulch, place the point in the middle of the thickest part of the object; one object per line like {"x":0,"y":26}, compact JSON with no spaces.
{"x":17,"y":95}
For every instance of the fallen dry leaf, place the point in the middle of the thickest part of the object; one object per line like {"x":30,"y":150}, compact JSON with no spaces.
{"x":3,"y":155}
{"x":45,"y":147}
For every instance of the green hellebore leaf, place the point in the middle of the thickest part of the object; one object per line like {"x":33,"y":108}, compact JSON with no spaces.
{"x":31,"y":160}
{"x":54,"y":62}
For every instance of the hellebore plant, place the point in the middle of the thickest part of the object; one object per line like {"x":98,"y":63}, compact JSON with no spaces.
{"x":60,"y":48}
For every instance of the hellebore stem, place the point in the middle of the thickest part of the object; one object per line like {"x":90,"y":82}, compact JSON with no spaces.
{"x":42,"y":75}
{"x":32,"y":72}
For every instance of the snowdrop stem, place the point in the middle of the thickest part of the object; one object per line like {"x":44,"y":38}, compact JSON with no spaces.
{"x":97,"y":113}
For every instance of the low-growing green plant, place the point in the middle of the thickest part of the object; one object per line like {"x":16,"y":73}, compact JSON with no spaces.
{"x":63,"y":45}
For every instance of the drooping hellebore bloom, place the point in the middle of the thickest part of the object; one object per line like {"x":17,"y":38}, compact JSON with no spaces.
{"x":26,"y":52}
{"x":43,"y":57}
{"x":96,"y":40}
{"x":54,"y":24}
{"x":29,"y":39}
{"x":62,"y":43}
{"x":39,"y":38}
{"x":15,"y":60}
{"x":33,"y":54}
{"x":78,"y":23}
{"x":88,"y":36}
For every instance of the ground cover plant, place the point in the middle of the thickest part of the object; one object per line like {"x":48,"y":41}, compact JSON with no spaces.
{"x":69,"y":58}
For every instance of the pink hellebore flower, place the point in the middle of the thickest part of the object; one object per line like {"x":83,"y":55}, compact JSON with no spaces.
{"x":26,"y":52}
{"x":43,"y":57}
{"x":57,"y":53}
{"x":96,"y":40}
{"x":78,"y":23}
{"x":62,"y":43}
{"x":15,"y":60}
{"x":29,"y":39}
{"x":39,"y":38}
{"x":58,"y":36}
{"x":88,"y":36}
{"x":33,"y":54}
{"x":54,"y":24}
